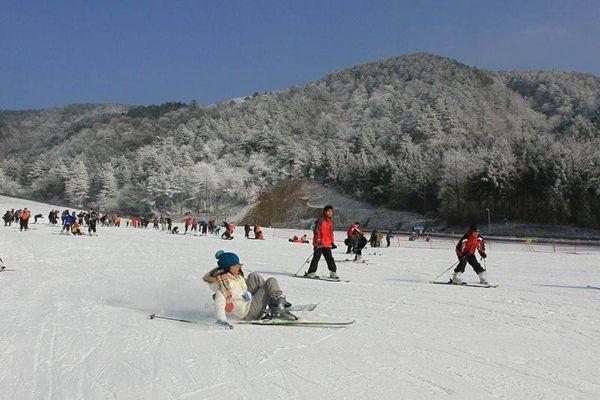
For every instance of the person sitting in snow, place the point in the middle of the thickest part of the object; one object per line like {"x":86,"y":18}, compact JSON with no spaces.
{"x":76,"y":228}
{"x":250,"y":299}
{"x":465,"y":250}
{"x":228,"y":234}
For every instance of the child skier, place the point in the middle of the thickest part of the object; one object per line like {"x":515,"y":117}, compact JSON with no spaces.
{"x":465,"y":250}
{"x":251,"y":299}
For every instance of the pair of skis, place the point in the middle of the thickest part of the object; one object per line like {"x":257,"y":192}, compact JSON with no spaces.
{"x":270,"y":322}
{"x":465,"y":284}
{"x":321,"y":278}
{"x":361,"y":261}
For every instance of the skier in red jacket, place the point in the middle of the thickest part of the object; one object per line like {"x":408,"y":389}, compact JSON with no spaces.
{"x":353,"y":233}
{"x":465,"y":250}
{"x":187,"y":223}
{"x":323,"y":242}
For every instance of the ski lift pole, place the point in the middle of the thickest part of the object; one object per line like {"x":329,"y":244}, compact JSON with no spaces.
{"x":305,"y":262}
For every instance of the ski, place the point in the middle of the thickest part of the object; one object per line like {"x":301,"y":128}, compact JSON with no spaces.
{"x":351,"y":260}
{"x":316,"y":324}
{"x":4,"y":269}
{"x":321,"y":278}
{"x":302,"y":307}
{"x":357,"y":261}
{"x":479,"y":285}
{"x":593,"y":287}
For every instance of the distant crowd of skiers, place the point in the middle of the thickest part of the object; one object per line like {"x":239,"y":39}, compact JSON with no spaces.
{"x":74,"y":223}
{"x":20,"y":216}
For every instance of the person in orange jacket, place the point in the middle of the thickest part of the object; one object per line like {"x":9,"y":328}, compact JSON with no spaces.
{"x":353,"y":233}
{"x":466,"y":247}
{"x":187,"y":223}
{"x":323,"y":243}
{"x":24,"y":218}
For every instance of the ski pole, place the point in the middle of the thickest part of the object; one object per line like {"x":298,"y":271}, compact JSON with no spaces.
{"x":309,"y":257}
{"x":450,"y":267}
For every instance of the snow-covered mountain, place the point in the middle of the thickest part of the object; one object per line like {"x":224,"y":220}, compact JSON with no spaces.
{"x":417,"y":132}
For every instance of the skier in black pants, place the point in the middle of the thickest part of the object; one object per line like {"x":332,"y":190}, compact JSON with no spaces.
{"x":7,"y":218}
{"x":92,"y":221}
{"x":323,"y":243}
{"x":465,"y":250}
{"x":361,"y":243}
{"x":388,"y":238}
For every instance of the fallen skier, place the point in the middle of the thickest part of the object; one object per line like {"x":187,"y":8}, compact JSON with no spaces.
{"x":250,"y":299}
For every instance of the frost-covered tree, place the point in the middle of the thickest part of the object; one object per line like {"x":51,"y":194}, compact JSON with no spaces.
{"x":108,"y":196}
{"x":77,"y":184}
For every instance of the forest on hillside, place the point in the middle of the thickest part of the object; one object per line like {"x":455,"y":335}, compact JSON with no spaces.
{"x":417,"y":132}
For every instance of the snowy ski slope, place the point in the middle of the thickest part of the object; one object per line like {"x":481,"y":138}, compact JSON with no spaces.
{"x":73,"y":322}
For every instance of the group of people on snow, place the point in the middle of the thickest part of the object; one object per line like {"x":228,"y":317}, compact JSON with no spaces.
{"x":296,"y":239}
{"x":20,"y":216}
{"x":257,"y":232}
{"x":195,"y":225}
{"x":255,"y":298}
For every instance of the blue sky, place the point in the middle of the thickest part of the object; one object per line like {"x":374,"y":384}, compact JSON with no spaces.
{"x":143,"y":52}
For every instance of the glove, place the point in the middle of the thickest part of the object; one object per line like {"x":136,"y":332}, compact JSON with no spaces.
{"x":483,"y":255}
{"x":333,"y":246}
{"x":229,"y":306}
{"x":224,"y":324}
{"x":247,"y":297}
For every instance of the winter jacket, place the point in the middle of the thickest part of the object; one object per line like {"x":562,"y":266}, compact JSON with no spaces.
{"x":354,"y":231}
{"x":25,"y":215}
{"x":470,"y":243}
{"x":323,"y":232}
{"x":238,"y":289}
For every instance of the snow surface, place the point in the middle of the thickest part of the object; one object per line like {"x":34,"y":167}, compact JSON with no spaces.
{"x":73,"y":322}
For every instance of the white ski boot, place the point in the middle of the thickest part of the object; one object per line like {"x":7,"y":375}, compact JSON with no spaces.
{"x":333,"y":275}
{"x":483,"y":278}
{"x":311,"y":275}
{"x":456,"y":278}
